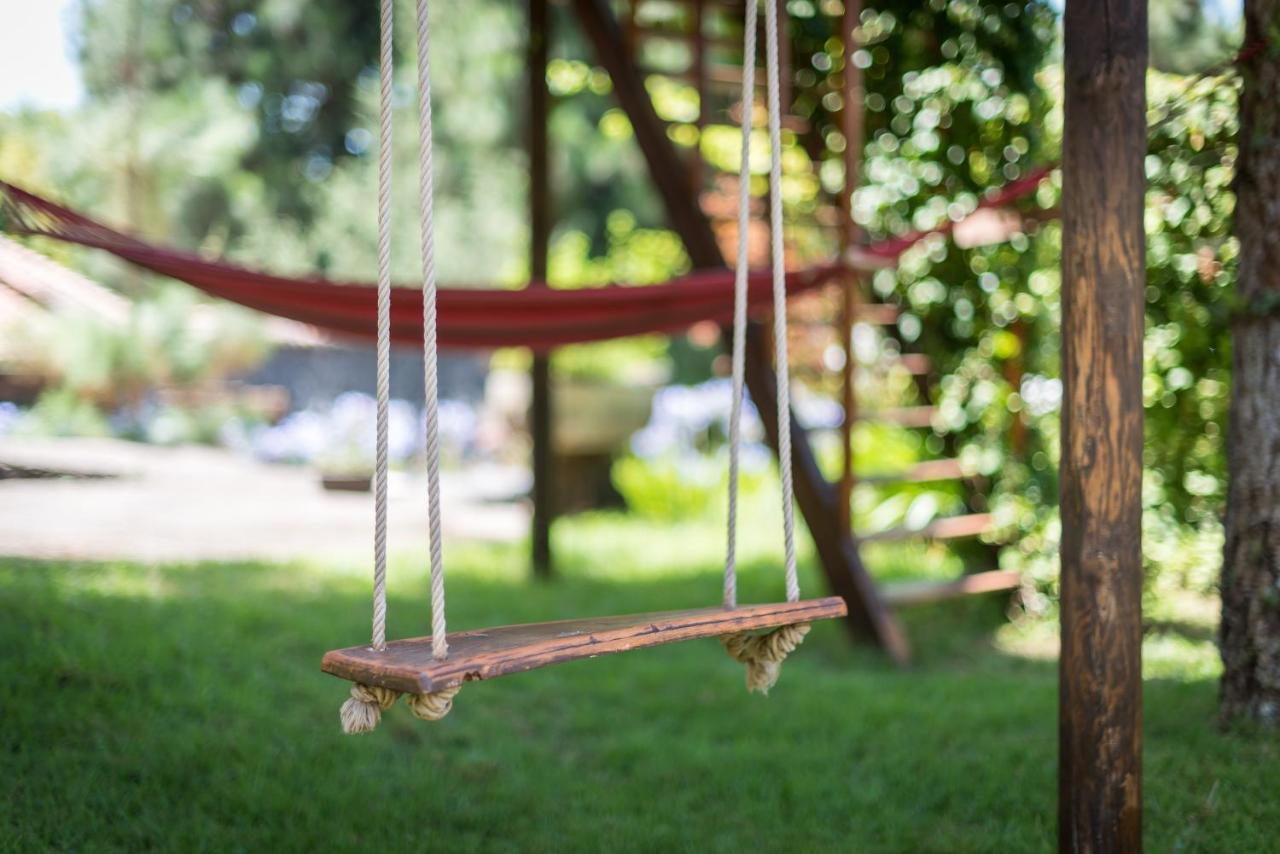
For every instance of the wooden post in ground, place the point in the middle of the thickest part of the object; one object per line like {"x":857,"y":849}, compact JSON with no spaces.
{"x":868,"y":617}
{"x":851,"y":125}
{"x":539,"y":236}
{"x":1103,"y":279}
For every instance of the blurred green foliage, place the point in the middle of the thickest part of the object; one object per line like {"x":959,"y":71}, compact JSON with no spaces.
{"x":192,"y":142}
{"x":167,"y":340}
{"x":675,"y":489}
{"x":1188,"y":36}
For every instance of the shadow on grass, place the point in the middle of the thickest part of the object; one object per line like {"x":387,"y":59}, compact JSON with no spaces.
{"x":1182,"y":628}
{"x":182,"y":707}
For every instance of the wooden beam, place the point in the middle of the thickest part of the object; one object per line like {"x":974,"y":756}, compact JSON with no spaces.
{"x":868,"y":616}
{"x":1103,"y":278}
{"x":540,"y":414}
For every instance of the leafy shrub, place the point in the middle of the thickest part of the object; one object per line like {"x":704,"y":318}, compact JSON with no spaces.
{"x":61,"y":412}
{"x":679,"y":466}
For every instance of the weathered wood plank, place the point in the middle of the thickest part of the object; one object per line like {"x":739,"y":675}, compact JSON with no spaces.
{"x":1103,"y":278}
{"x":407,"y":665}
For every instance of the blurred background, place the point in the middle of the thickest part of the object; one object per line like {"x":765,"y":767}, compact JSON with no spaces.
{"x":244,"y":131}
{"x":147,"y":430}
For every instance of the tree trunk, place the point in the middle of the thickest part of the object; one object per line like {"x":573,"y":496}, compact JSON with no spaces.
{"x":1250,"y":633}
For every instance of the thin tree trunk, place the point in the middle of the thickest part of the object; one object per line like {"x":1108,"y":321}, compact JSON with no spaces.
{"x":1250,"y":632}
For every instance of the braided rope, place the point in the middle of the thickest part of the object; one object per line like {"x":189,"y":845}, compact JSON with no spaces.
{"x":762,"y":654}
{"x":740,"y":302}
{"x":383,"y":392}
{"x":780,"y":297}
{"x":426,"y":192}
{"x":435,"y":705}
{"x":363,"y":709}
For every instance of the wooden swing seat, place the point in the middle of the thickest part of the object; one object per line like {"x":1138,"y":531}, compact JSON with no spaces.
{"x":407,"y":665}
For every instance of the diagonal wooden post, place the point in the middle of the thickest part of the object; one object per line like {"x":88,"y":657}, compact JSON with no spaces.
{"x":1103,"y":279}
{"x":837,"y":553}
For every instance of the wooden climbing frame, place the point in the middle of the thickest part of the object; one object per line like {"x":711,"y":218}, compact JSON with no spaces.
{"x":870,"y":616}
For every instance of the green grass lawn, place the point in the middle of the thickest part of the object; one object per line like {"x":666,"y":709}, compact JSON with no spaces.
{"x":182,"y":708}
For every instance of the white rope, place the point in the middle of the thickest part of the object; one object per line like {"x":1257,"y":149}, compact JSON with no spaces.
{"x":426,"y":192}
{"x":384,"y":334}
{"x":780,"y":296}
{"x":762,"y":654}
{"x":778,"y":264}
{"x":740,"y":300}
{"x":362,"y":711}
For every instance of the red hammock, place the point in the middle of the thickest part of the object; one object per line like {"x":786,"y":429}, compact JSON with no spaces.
{"x":537,"y":317}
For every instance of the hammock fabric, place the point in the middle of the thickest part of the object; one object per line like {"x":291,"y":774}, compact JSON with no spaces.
{"x":537,"y":317}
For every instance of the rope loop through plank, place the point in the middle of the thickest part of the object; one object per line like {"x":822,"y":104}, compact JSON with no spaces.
{"x":363,"y":710}
{"x":762,"y":654}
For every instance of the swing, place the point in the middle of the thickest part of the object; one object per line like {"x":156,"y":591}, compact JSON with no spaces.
{"x":431,"y":670}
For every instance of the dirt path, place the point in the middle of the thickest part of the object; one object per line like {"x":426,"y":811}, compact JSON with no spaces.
{"x":196,"y":503}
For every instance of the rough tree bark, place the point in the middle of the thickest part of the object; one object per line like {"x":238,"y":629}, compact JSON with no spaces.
{"x":1250,"y":632}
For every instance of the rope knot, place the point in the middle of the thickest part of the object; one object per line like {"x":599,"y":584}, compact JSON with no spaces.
{"x":763,"y":654}
{"x":435,"y":705}
{"x":363,"y":710}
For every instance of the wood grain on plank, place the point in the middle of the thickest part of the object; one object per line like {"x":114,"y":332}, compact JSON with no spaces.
{"x":408,"y":666}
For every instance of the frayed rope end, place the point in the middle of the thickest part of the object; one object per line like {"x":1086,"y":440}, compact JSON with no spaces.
{"x":363,"y":709}
{"x":763,"y":654}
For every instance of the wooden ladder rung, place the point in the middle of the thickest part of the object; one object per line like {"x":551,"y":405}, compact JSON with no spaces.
{"x":905,"y":416}
{"x":946,"y":528}
{"x":408,"y":666}
{"x":929,"y":470}
{"x":915,"y":364}
{"x":876,"y":313}
{"x":906,"y":593}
